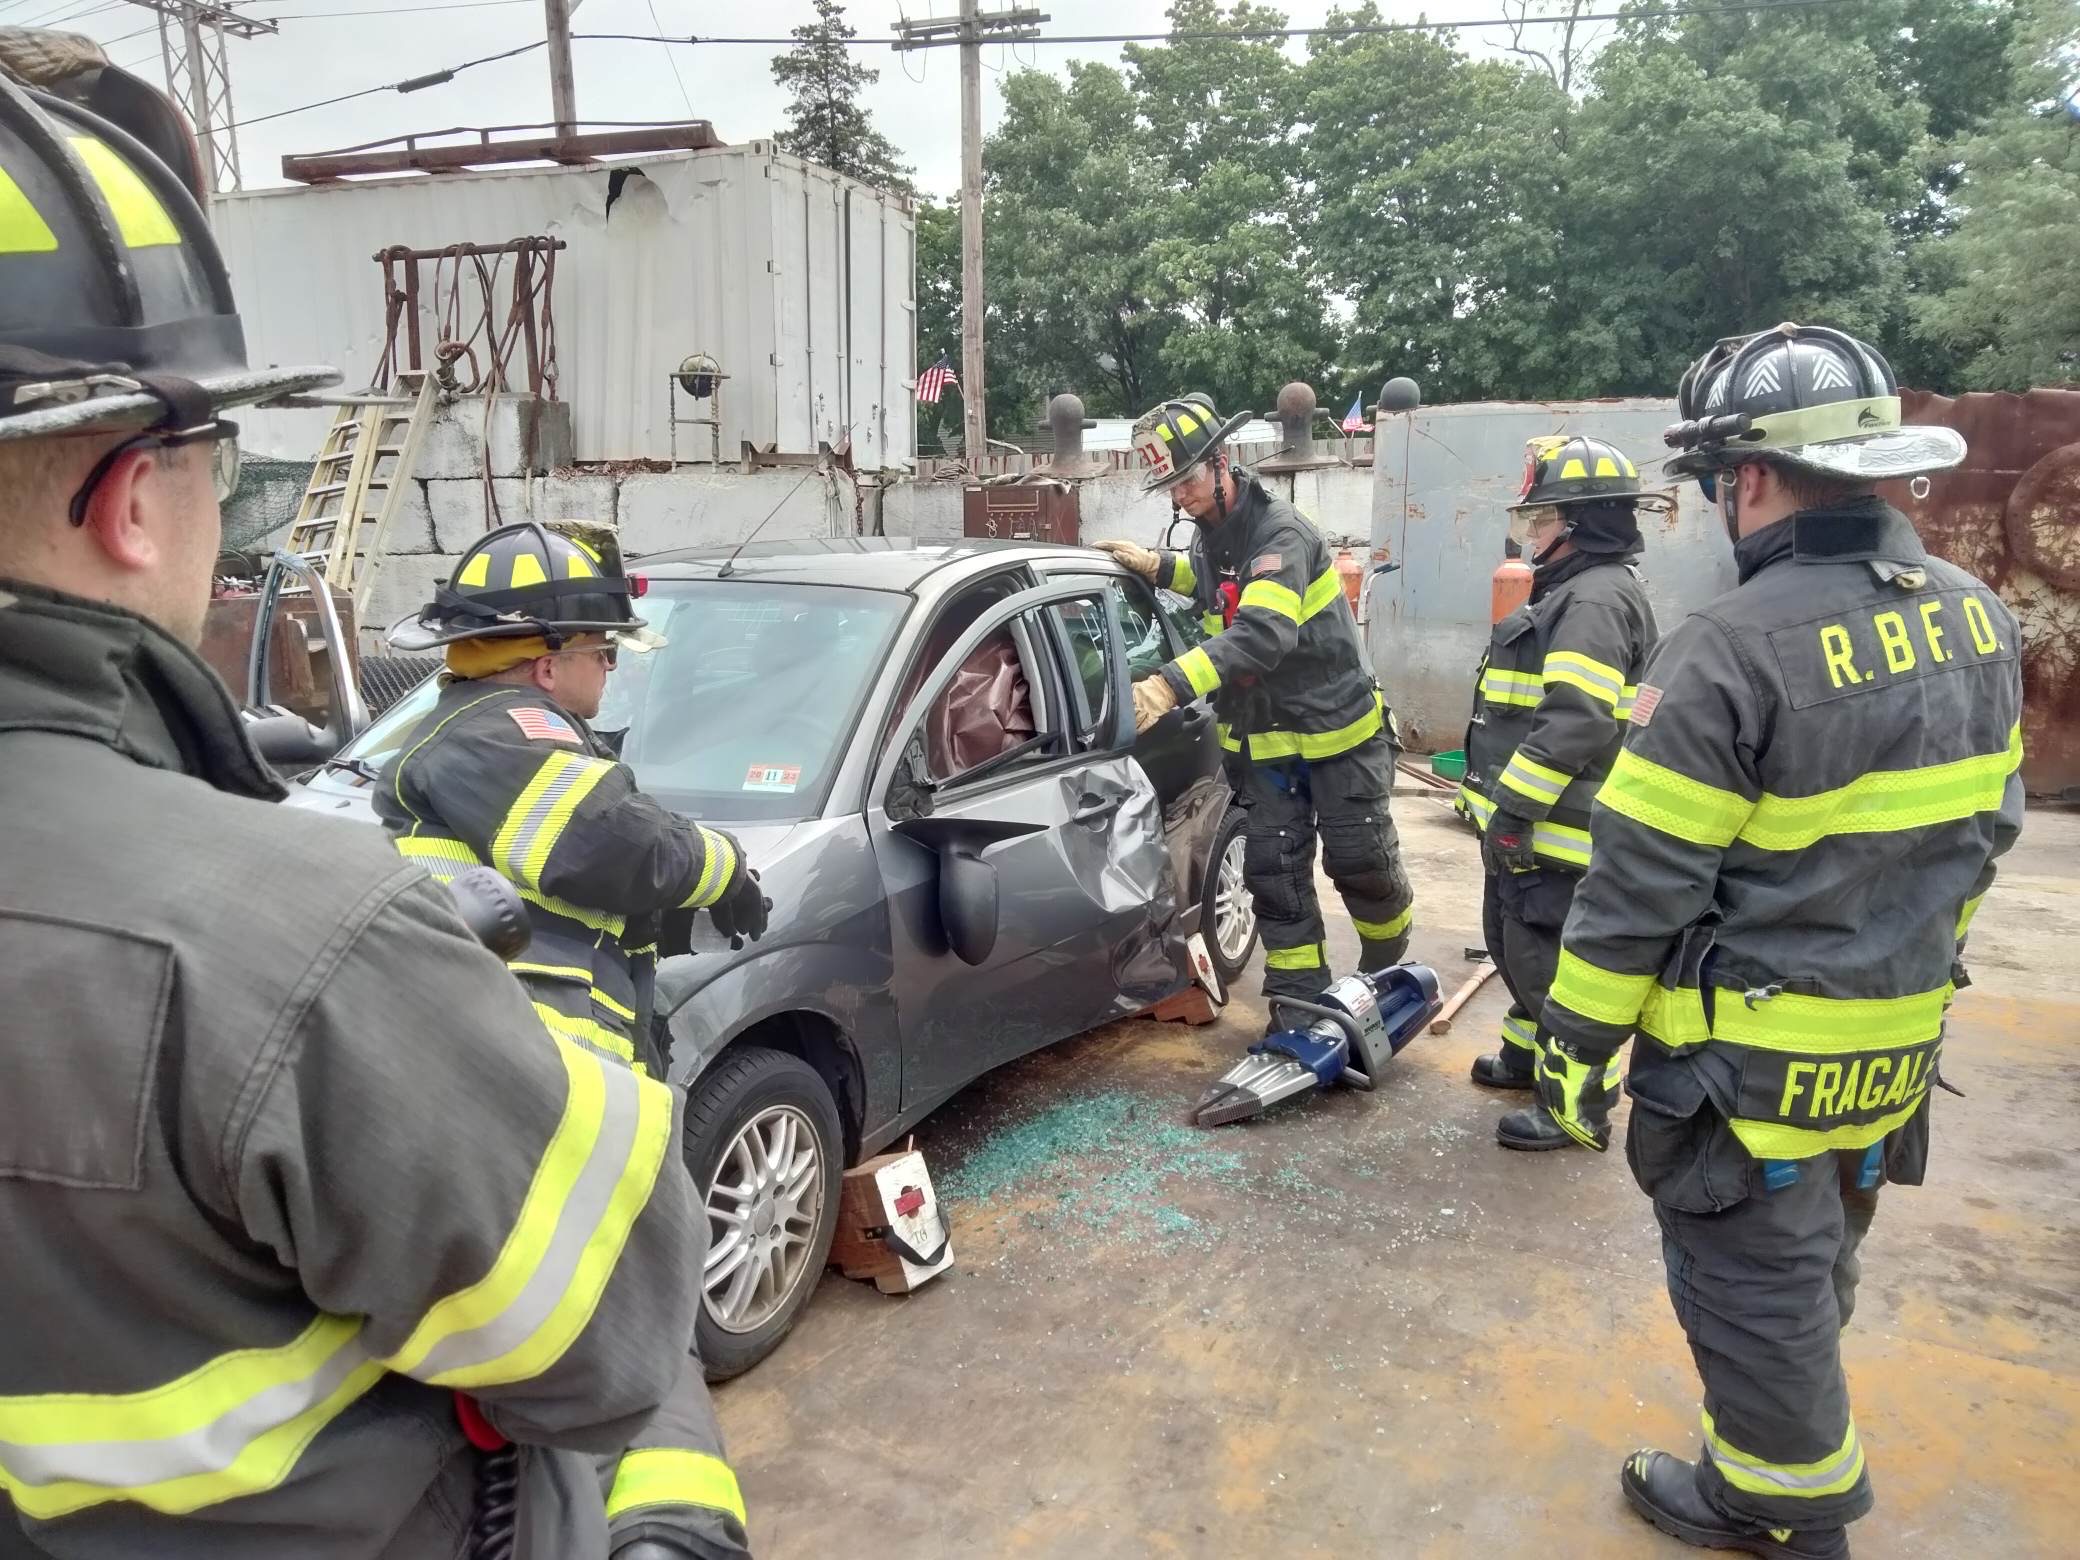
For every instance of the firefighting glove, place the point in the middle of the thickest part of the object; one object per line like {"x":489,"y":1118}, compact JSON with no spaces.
{"x":1506,"y":843}
{"x":742,"y":910}
{"x":1578,"y":1087}
{"x":1134,"y":557}
{"x":1153,"y":699}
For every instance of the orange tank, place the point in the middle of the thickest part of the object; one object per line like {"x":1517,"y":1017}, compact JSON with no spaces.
{"x":1352,"y":573}
{"x":1509,"y":587}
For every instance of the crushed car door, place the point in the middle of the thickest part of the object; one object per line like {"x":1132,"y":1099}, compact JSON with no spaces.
{"x":1180,"y":753}
{"x":1030,"y":892}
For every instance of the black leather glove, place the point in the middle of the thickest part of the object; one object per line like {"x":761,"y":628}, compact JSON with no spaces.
{"x":742,"y":911}
{"x":1506,"y":843}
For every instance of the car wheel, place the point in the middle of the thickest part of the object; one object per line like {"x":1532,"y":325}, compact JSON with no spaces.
{"x":1227,"y":913}
{"x":766,"y":1152}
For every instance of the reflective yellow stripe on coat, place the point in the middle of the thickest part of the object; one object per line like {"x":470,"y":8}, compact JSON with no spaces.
{"x":236,"y":1424}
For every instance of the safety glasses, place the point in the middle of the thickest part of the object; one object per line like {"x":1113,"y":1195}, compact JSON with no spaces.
{"x":224,"y":465}
{"x":609,"y":654}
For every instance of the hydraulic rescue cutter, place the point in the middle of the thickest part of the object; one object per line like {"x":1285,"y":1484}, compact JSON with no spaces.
{"x":1358,"y":1025}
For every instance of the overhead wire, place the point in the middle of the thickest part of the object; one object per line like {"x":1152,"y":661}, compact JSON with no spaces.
{"x":673,"y":60}
{"x":1266,"y":34}
{"x":62,"y":14}
{"x":387,"y":10}
{"x":1370,"y":29}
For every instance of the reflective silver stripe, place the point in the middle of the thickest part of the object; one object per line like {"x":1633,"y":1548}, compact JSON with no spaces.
{"x":1518,"y":774}
{"x":208,"y":1448}
{"x":523,"y":846}
{"x":576,"y":1224}
{"x":1743,"y":1470}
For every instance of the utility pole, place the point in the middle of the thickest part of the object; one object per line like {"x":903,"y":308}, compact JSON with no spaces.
{"x":191,"y":49}
{"x":563,"y":89}
{"x":971,"y":31}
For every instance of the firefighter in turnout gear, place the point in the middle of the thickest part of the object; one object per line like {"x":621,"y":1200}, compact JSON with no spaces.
{"x":1299,"y":711}
{"x":1819,"y":771}
{"x":504,"y":771}
{"x":291,"y":1168}
{"x":1550,"y":702}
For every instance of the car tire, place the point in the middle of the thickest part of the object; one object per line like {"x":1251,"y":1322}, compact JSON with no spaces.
{"x":751,"y":1096}
{"x":1224,"y":894}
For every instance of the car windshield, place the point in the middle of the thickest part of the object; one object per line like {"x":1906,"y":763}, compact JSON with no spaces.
{"x":743,"y":713}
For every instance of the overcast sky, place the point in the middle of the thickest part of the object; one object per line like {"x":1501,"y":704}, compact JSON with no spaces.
{"x":328,"y":47}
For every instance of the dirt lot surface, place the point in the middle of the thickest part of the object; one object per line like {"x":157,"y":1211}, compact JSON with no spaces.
{"x":1358,"y":1327}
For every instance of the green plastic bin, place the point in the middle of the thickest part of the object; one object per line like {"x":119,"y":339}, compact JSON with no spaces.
{"x":1451,"y":766}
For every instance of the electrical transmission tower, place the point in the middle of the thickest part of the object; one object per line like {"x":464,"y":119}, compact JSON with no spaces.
{"x":191,"y":46}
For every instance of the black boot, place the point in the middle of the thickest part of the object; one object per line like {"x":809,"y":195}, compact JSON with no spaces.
{"x":1663,"y":1489}
{"x":1503,"y":1070}
{"x":1532,"y":1129}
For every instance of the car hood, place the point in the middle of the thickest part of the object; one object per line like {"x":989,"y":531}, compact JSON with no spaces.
{"x":831,"y":852}
{"x":341,"y":793}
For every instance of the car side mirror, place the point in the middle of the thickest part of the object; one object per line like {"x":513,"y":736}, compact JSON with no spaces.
{"x":967,"y":882}
{"x":291,"y":743}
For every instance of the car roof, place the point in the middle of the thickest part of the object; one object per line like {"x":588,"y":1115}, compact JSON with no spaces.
{"x":890,"y":563}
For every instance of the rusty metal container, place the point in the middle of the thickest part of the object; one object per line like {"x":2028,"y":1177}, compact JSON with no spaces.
{"x":1022,"y":512}
{"x":297,"y":671}
{"x":2011,"y":515}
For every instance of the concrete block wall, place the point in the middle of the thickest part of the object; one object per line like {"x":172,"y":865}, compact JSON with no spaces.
{"x":463,"y":440}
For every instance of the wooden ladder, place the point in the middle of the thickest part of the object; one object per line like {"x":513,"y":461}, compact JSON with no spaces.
{"x":359,"y":480}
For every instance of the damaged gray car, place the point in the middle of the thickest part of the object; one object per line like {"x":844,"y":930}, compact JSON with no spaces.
{"x":929,"y":753}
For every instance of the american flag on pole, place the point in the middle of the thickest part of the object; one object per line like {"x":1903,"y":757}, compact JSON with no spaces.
{"x":932,"y":383}
{"x":1354,"y":419}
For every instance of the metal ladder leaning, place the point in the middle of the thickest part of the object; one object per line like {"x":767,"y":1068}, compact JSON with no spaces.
{"x":358,"y":483}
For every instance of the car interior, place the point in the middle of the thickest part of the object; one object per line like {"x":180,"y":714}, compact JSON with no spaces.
{"x":989,"y":707}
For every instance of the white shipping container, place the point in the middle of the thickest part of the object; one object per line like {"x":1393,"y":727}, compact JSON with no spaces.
{"x":797,"y":280}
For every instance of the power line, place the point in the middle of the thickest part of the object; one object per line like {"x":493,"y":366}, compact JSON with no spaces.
{"x":389,"y":10}
{"x":61,"y":15}
{"x":409,"y":84}
{"x":673,"y":60}
{"x":440,"y":77}
{"x":1268,"y":34}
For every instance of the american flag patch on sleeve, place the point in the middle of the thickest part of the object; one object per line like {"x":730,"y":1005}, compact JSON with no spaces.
{"x":1267,"y":563}
{"x":1643,"y":704}
{"x":544,"y":725}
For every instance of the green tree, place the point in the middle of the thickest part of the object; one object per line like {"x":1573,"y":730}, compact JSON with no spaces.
{"x":1701,"y":207}
{"x":1230,"y":274}
{"x":938,"y":317}
{"x":826,"y":123}
{"x":1070,"y":220}
{"x":2005,"y":293}
{"x":1438,"y":212}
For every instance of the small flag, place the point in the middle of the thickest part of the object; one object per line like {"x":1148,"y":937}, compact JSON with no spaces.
{"x":1354,"y":419}
{"x":543,"y":725}
{"x":932,"y":383}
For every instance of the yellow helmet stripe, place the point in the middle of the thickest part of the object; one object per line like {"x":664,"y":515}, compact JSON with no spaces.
{"x":140,"y":218}
{"x":476,"y":572}
{"x":527,"y":570}
{"x":22,"y":230}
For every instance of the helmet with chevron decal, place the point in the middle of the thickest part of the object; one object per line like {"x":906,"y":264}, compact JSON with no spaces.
{"x":1807,"y":397}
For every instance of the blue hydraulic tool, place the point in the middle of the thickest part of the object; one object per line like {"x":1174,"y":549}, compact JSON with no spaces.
{"x":1359,"y":1025}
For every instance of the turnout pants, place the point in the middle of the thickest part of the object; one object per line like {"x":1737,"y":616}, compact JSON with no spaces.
{"x":1522,"y":914}
{"x":1345,"y":800}
{"x":1763,"y":1289}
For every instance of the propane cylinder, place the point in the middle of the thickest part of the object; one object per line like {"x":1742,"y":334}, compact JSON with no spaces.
{"x":1509,"y":587}
{"x":1352,"y":574}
